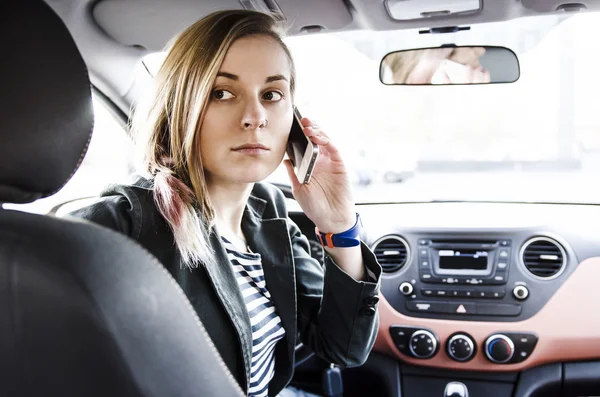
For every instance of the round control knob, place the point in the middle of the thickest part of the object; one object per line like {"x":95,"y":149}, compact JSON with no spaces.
{"x":521,"y":292}
{"x":423,"y":344}
{"x":406,"y":288}
{"x":461,"y":347}
{"x":499,"y":348}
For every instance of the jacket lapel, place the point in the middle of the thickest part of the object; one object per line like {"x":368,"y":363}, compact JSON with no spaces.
{"x":225,"y":284}
{"x":270,"y":238}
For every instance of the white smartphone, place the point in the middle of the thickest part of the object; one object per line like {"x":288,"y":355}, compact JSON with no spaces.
{"x":301,"y":151}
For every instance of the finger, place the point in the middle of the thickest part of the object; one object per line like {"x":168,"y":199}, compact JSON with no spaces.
{"x":320,"y":140}
{"x":481,"y":77}
{"x":291,"y":174}
{"x":440,"y":76}
{"x":457,"y":73}
{"x":328,"y":148}
{"x":487,"y":78}
{"x":314,"y":131}
{"x":306,"y":122}
{"x":477,"y":77}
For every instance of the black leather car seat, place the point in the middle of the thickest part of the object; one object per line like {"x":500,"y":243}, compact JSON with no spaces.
{"x":84,"y":311}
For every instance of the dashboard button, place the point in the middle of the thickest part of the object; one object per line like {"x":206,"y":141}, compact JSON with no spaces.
{"x":521,"y":292}
{"x":441,"y":292}
{"x":466,"y":294}
{"x":490,"y":294}
{"x":423,"y":344}
{"x":463,"y":308}
{"x":406,"y":288}
{"x":499,"y":348}
{"x":427,"y":277}
{"x":498,"y":309}
{"x":428,"y":307}
{"x":503,"y":254}
{"x":460,"y":347}
{"x":524,"y":345}
{"x":400,"y":336}
{"x":427,"y":292}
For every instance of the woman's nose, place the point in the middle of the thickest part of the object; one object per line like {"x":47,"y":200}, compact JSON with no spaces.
{"x":254,"y":116}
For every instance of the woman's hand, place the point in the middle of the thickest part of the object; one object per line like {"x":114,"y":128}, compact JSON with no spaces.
{"x":327,"y":199}
{"x":450,"y":72}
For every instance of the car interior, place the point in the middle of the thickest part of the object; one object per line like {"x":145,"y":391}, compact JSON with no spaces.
{"x":477,"y":189}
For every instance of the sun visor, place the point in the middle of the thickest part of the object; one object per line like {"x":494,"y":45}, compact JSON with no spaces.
{"x":152,"y":23}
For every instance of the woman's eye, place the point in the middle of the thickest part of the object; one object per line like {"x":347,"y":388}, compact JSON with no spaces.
{"x":273,"y":96}
{"x":222,"y":95}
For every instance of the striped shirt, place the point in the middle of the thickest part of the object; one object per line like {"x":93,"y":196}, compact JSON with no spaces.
{"x":266,"y":324}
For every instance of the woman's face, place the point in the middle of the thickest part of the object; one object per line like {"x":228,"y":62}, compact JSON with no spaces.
{"x":249,"y":115}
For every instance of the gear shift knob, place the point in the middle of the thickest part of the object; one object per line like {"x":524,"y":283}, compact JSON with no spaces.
{"x":456,"y":389}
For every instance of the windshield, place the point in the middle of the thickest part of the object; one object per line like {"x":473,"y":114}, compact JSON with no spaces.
{"x":536,"y":140}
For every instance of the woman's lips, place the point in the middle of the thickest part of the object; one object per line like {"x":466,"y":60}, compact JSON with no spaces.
{"x":251,"y":149}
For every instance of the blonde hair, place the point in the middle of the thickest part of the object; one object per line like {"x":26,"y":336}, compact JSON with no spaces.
{"x":168,"y":126}
{"x":403,"y":63}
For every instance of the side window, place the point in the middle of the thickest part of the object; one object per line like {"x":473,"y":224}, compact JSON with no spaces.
{"x":109,"y":159}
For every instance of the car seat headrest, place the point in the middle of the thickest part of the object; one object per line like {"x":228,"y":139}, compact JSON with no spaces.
{"x":46,"y":114}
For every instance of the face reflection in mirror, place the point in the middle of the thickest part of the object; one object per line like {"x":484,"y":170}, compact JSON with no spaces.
{"x":446,"y":66}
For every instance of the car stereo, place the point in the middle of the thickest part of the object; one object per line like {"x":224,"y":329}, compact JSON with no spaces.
{"x":465,"y":262}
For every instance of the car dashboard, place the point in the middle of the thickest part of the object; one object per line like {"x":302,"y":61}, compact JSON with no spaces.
{"x":492,"y":291}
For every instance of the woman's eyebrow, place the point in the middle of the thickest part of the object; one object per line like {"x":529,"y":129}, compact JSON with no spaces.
{"x":276,"y":77}
{"x":269,"y":79}
{"x":230,"y":76}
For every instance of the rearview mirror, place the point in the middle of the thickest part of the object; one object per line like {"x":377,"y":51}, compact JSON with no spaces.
{"x":450,"y":65}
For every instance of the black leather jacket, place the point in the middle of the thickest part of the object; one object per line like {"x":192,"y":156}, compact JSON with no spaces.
{"x":334,"y":314}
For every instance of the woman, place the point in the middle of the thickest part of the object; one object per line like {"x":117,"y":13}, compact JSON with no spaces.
{"x":215,"y":127}
{"x":446,"y":65}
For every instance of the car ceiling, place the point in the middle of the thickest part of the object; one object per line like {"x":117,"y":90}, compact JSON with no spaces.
{"x":114,"y":35}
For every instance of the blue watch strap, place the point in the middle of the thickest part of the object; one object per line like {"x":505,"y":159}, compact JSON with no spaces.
{"x":349,"y":238}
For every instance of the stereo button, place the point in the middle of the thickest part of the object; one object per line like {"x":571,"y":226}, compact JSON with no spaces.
{"x":466,"y":294}
{"x":503,"y":254}
{"x":495,"y":309}
{"x":406,"y":288}
{"x":428,"y":307}
{"x":521,"y":292}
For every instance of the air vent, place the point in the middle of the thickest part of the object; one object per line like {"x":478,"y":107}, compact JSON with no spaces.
{"x":392,"y":253}
{"x":543,"y":257}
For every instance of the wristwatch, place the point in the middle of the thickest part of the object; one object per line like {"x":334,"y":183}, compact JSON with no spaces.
{"x":349,"y":238}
